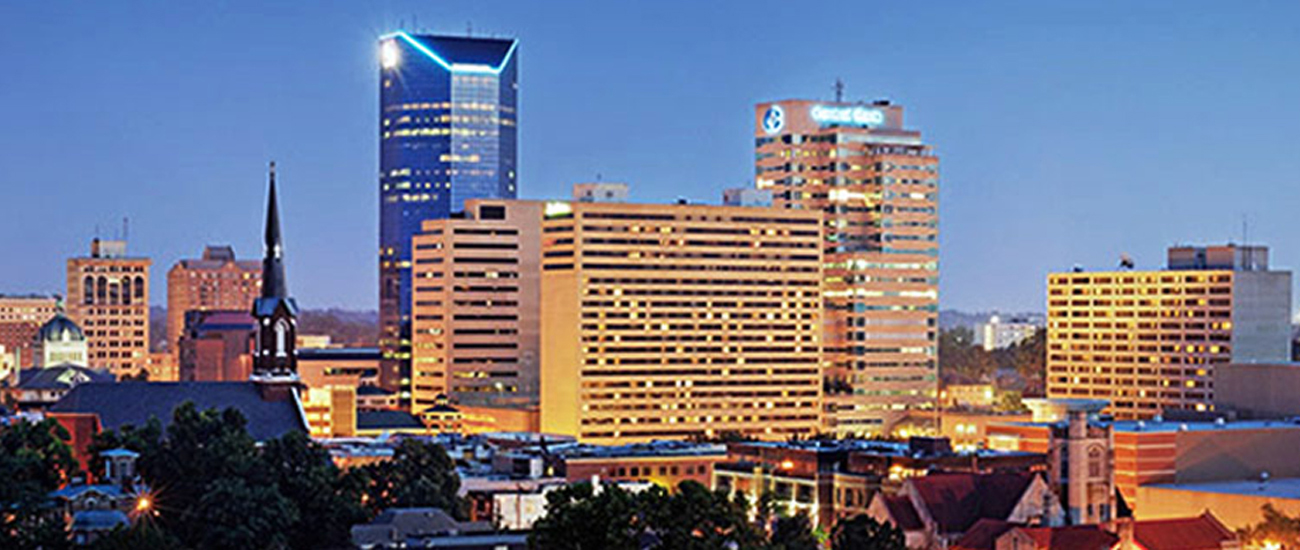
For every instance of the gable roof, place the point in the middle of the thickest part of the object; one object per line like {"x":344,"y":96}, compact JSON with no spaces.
{"x":1201,"y":532}
{"x":902,"y":512}
{"x":122,"y":403}
{"x":956,"y":501}
{"x":1072,"y":537}
{"x":983,"y":535}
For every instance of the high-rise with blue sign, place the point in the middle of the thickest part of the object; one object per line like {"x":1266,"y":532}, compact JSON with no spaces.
{"x":447,"y":133}
{"x":877,"y":186}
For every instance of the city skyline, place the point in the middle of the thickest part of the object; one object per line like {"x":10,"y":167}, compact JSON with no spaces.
{"x":1061,"y":184}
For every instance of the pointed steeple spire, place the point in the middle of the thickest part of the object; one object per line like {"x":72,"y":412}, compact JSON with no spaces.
{"x":274,"y":284}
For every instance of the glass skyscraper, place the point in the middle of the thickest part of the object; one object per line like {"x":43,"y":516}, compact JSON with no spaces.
{"x":447,"y":133}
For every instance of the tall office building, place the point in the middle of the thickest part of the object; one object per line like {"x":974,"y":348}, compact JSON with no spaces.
{"x":475,"y":336}
{"x":217,"y":281}
{"x":673,"y":321}
{"x":20,"y":318}
{"x":108,"y":296}
{"x":1150,"y":341}
{"x":878,"y":185}
{"x":447,"y":134}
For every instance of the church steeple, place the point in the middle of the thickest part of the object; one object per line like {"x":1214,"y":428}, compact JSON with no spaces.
{"x":273,"y":282}
{"x":275,"y":361}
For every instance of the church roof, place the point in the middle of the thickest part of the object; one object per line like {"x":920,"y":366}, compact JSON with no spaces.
{"x":134,"y":403}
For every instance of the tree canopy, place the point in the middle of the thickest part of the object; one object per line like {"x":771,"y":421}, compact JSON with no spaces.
{"x":35,"y":459}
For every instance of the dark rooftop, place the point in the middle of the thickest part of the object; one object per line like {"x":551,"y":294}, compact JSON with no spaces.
{"x":122,"y":403}
{"x":387,"y":420}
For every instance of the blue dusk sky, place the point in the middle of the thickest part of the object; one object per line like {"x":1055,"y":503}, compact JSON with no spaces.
{"x":1069,"y":133}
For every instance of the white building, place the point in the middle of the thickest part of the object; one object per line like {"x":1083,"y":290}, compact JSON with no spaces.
{"x":999,"y":334}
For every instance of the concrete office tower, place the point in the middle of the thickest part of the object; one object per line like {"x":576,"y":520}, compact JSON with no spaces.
{"x":20,"y":318}
{"x":477,"y":282}
{"x":217,"y":281}
{"x":447,"y":134}
{"x":673,"y":321}
{"x":1150,"y":341}
{"x":108,"y":296}
{"x":878,"y":185}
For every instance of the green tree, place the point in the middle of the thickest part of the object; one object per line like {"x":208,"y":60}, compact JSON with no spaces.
{"x":237,"y":514}
{"x":695,"y":517}
{"x":35,"y":459}
{"x":420,"y":474}
{"x":1275,"y":527}
{"x":207,"y":459}
{"x":862,"y":532}
{"x":327,"y":505}
{"x":794,"y":533}
{"x":578,"y":517}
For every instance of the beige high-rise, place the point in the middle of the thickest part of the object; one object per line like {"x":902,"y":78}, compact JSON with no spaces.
{"x":1150,"y":341}
{"x":475,"y":288}
{"x":108,"y":296}
{"x":217,"y":281}
{"x":877,"y":183}
{"x":668,"y":321}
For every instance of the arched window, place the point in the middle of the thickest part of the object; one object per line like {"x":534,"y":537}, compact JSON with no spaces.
{"x":1094,"y":462}
{"x":281,"y":338}
{"x":113,"y":294}
{"x":88,"y":290}
{"x":139,"y":288}
{"x":101,"y":290}
{"x":126,"y":291}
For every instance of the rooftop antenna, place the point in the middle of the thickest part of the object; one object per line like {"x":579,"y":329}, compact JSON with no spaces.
{"x":1245,"y":230}
{"x":126,"y":227}
{"x":839,"y":90}
{"x":598,"y":177}
{"x":469,"y":29}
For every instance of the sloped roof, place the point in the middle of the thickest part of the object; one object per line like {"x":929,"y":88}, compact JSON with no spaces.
{"x":1201,"y":532}
{"x":60,"y":377}
{"x":983,"y":535}
{"x":957,"y":501}
{"x":1073,"y":537}
{"x":122,"y":403}
{"x":98,"y":520}
{"x":387,"y":420}
{"x":902,"y":512}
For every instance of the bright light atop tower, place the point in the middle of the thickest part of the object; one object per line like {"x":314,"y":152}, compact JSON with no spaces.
{"x":389,"y":55}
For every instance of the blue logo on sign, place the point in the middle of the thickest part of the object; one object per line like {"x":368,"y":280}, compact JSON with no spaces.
{"x":773,"y":119}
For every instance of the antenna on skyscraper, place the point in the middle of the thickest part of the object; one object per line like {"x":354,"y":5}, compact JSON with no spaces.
{"x":839,"y":90}
{"x":469,"y":29}
{"x":1245,"y":230}
{"x":126,"y":226}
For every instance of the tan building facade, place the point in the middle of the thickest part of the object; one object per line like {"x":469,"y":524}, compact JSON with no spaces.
{"x":877,"y":183}
{"x":1151,"y":341}
{"x":674,"y":321}
{"x":20,"y":318}
{"x":475,"y":317}
{"x":216,"y":281}
{"x":108,"y":296}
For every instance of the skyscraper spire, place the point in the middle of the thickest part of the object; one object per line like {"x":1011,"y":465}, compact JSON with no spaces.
{"x":274,"y":284}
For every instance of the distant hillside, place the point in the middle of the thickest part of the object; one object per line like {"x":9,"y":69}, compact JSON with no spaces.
{"x":352,"y":328}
